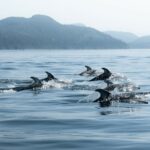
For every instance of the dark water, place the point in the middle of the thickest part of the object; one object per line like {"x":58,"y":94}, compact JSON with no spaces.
{"x":62,"y":117}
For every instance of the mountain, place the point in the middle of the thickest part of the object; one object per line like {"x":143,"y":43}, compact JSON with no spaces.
{"x":43,"y":32}
{"x":79,"y":24}
{"x":142,"y":42}
{"x":126,"y":37}
{"x":131,"y":39}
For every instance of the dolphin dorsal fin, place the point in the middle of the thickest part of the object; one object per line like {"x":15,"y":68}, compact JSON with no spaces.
{"x":36,"y":80}
{"x":103,"y":94}
{"x":88,"y":68}
{"x":106,"y":70}
{"x":49,"y":75}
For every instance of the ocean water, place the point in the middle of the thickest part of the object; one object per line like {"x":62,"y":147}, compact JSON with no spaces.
{"x":61,"y":116}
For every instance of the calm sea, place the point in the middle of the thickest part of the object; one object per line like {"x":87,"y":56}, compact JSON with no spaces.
{"x":62,"y":117}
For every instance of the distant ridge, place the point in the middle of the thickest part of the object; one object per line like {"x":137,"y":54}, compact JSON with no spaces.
{"x":123,"y":36}
{"x":43,"y":32}
{"x":142,"y":42}
{"x":131,"y":39}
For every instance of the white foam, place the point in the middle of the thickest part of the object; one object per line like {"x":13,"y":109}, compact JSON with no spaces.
{"x":56,"y":84}
{"x":7,"y":91}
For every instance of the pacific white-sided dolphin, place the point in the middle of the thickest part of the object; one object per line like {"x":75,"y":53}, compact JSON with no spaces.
{"x":36,"y":84}
{"x":89,"y":71}
{"x":104,"y":76}
{"x":106,"y":97}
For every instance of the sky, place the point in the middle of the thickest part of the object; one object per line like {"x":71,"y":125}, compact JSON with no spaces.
{"x":119,"y":15}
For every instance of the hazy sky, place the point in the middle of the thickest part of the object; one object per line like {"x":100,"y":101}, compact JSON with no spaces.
{"x":121,"y":15}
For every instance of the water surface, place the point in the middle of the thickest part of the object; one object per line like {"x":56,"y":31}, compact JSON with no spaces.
{"x":60,"y":117}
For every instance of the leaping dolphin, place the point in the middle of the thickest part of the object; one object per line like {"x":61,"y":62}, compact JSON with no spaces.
{"x":102,"y":76}
{"x":106,"y":97}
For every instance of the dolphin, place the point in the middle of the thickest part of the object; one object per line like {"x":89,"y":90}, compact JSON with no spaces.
{"x":106,"y":97}
{"x":105,"y":75}
{"x":49,"y":77}
{"x":36,"y":84}
{"x":89,"y":71}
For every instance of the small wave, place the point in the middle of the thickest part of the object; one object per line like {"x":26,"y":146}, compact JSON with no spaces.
{"x":81,"y":87}
{"x":8,"y":68}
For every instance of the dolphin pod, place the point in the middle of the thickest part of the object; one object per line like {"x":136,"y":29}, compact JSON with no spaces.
{"x":106,"y":97}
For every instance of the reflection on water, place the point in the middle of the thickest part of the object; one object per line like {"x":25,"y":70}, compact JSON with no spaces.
{"x":62,"y":116}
